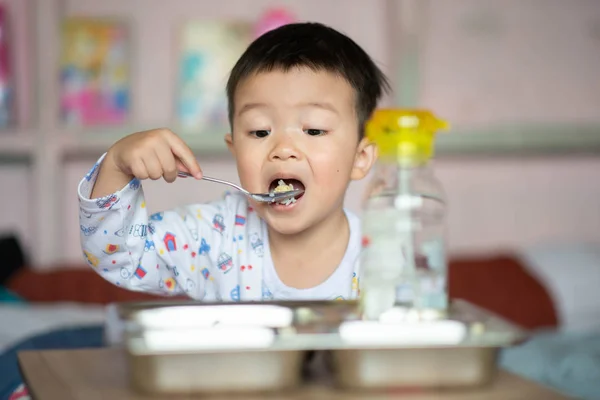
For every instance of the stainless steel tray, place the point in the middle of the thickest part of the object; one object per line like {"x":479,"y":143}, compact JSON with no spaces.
{"x":239,"y":347}
{"x":187,"y":347}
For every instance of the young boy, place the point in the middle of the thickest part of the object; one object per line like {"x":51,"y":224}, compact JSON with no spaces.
{"x":298,"y":100}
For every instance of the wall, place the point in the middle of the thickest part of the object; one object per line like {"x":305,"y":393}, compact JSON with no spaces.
{"x":15,"y":188}
{"x":496,"y":203}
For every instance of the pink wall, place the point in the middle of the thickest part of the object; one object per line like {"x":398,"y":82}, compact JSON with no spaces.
{"x":14,"y":179}
{"x":21,"y":50}
{"x":511,"y":61}
{"x":496,"y":203}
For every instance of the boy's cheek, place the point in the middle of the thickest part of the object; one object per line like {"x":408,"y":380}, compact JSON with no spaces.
{"x":250,"y":182}
{"x":334,"y":172}
{"x":249,"y":174}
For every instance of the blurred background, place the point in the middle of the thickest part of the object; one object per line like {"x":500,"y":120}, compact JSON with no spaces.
{"x":518,"y":80}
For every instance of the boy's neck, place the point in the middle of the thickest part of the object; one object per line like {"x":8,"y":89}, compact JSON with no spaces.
{"x":309,"y":257}
{"x":315,"y":237}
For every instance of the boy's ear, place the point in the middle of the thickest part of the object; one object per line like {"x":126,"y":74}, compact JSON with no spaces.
{"x":229,"y":142}
{"x":366,"y":155}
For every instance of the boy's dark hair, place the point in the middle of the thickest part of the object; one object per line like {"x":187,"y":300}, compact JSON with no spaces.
{"x":320,"y":48}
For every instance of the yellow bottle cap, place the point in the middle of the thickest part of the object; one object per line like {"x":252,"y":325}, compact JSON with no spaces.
{"x":404,"y":136}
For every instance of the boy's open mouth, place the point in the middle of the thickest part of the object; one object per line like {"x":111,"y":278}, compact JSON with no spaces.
{"x":283,"y":185}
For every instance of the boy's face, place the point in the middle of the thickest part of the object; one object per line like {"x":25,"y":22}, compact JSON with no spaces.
{"x":299,"y":126}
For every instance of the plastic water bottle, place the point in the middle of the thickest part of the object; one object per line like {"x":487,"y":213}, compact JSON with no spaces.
{"x":403,"y":262}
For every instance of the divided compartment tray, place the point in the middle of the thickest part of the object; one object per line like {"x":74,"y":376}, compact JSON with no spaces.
{"x":191,"y":347}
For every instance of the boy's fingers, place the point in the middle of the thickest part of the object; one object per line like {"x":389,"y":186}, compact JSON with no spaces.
{"x":181,"y":167}
{"x":185,"y":156}
{"x":138,"y":169}
{"x":153,"y":167}
{"x":168,"y":163}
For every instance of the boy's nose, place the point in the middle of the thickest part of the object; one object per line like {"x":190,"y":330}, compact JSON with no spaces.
{"x":283,"y":153}
{"x":284,"y":150}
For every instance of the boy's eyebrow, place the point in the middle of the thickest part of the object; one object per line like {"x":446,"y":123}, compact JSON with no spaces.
{"x":250,"y":106}
{"x":324,"y":105}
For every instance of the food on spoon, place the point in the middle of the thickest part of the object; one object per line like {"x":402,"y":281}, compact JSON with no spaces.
{"x":282,"y":187}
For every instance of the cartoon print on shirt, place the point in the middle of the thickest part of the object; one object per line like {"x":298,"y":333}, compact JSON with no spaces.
{"x":225,"y":262}
{"x":173,"y":269}
{"x":111,"y":249}
{"x":205,"y":273}
{"x":107,"y":202}
{"x":91,"y":259}
{"x":88,"y":230}
{"x":157,"y":216}
{"x":240,"y":220}
{"x":204,"y":247}
{"x":138,"y":230}
{"x":84,"y":213}
{"x":356,"y":285}
{"x":168,"y":283}
{"x":92,"y":172}
{"x":120,"y":232}
{"x":218,"y":223}
{"x":140,"y":272}
{"x":190,"y":286}
{"x":149,"y":245}
{"x":355,"y":280}
{"x":125,"y":273}
{"x":134,"y":184}
{"x":257,"y":244}
{"x":170,"y":241}
{"x":266,"y":292}
{"x":235,"y":293}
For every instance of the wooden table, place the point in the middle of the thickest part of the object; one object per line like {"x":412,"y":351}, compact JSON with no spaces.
{"x":102,"y":374}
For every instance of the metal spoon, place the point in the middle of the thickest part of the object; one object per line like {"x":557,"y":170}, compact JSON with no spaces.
{"x":262,"y":197}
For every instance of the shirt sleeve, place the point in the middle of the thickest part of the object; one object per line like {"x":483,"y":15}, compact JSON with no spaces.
{"x":173,"y":252}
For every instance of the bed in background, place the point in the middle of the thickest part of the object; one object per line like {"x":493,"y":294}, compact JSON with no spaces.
{"x":502,"y":284}
{"x":74,"y":295}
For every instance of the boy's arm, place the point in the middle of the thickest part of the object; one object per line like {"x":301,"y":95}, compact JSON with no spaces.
{"x":144,"y":155}
{"x":159,"y":254}
{"x":109,"y":178}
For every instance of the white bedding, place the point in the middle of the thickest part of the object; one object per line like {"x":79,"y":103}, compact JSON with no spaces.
{"x":571,"y":273}
{"x":19,"y":321}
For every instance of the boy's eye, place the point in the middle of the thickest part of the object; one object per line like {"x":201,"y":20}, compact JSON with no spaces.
{"x":260,"y":133}
{"x":315,"y":132}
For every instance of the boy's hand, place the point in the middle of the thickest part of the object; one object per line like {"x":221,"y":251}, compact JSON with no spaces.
{"x":151,"y":154}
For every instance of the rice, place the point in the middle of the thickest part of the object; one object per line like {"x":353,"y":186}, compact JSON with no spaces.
{"x":283,"y":187}
{"x":289,"y":201}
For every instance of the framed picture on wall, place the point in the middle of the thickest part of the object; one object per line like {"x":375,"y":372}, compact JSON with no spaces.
{"x":208,"y":52}
{"x":94,"y":72}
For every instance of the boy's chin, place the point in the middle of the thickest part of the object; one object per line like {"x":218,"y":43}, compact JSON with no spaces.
{"x":287,"y":226}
